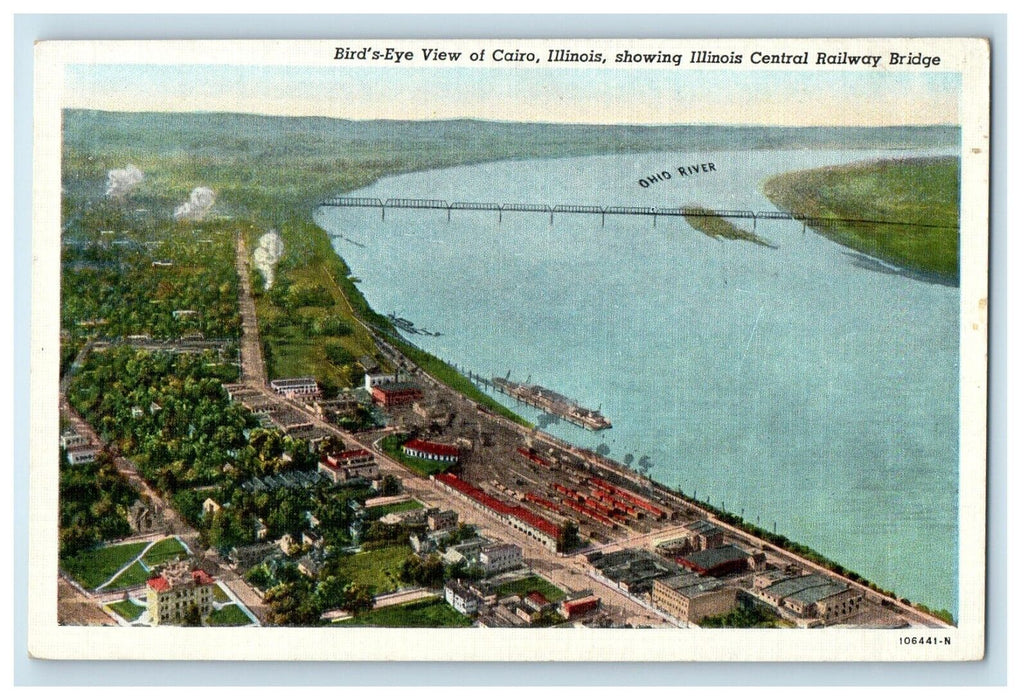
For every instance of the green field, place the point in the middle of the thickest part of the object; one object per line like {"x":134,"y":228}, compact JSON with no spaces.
{"x":135,"y":575}
{"x":377,"y":568}
{"x":401,"y":507}
{"x":163,"y":551}
{"x":220,"y":596}
{"x":127,"y":610}
{"x":228,"y":616}
{"x":92,"y":568}
{"x":430,"y":612}
{"x":704,"y":221}
{"x":524,"y":586}
{"x":922,"y":191}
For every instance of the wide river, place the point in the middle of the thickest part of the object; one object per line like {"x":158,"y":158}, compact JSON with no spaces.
{"x":793,"y":385}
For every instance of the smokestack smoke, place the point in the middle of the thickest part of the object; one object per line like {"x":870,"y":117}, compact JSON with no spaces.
{"x":267,"y":254}
{"x":121,"y":181}
{"x":200,"y":202}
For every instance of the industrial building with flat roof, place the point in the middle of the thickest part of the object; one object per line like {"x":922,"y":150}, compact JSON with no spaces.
{"x":720,"y":561}
{"x":813,"y":596}
{"x":634,"y":570}
{"x":395,"y":394}
{"x":691,"y":597}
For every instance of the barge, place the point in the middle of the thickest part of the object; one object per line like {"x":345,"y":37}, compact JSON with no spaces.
{"x":553,"y":403}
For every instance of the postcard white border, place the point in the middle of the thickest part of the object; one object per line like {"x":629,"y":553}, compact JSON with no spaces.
{"x":48,"y":640}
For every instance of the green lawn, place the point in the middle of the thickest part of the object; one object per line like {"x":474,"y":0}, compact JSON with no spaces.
{"x":228,"y":616}
{"x":220,"y":596}
{"x":135,"y":575}
{"x":377,"y":568}
{"x":127,"y":610}
{"x":531,"y":583}
{"x":92,"y":568}
{"x":401,"y":507}
{"x":430,"y":612}
{"x":163,"y":551}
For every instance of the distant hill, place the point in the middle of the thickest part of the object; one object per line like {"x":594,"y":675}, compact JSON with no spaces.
{"x":214,"y":132}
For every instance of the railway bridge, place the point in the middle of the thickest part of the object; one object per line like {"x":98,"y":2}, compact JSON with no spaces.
{"x":603,"y":211}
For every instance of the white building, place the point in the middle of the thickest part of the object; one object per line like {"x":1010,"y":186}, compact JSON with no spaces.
{"x":82,"y":455}
{"x":461,"y":598}
{"x":298,"y":386}
{"x":498,"y":557}
{"x":72,"y":439}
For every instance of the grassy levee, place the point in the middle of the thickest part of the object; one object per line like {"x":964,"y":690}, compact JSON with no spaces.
{"x":707,"y":222}
{"x":922,"y":191}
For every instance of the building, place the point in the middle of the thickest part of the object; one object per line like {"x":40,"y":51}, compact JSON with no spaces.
{"x":248,"y":556}
{"x":296,"y":387}
{"x":719,"y":561}
{"x":633,"y":570}
{"x":178,"y":590}
{"x":395,"y":394}
{"x":373,"y":380}
{"x":85,"y":454}
{"x":348,"y":465}
{"x":690,"y":597}
{"x":570,"y":609}
{"x":433,"y":451}
{"x":703,"y":534}
{"x":814,"y":596}
{"x":499,"y":557}
{"x":442,"y":519}
{"x":210,"y":507}
{"x":72,"y":439}
{"x":461,"y":598}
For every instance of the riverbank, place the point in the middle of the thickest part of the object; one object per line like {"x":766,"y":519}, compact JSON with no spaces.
{"x":911,"y":209}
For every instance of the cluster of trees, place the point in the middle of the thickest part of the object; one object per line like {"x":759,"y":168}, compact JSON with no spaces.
{"x":93,"y":501}
{"x":168,"y":411}
{"x":744,"y":616}
{"x":111,"y":276}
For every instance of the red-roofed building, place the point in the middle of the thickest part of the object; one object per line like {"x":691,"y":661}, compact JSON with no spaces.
{"x":351,"y":464}
{"x":435,"y":451}
{"x":573,"y":608}
{"x":179,"y":589}
{"x":517,"y":517}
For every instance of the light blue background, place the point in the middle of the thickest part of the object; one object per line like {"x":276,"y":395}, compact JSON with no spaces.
{"x":29,"y":28}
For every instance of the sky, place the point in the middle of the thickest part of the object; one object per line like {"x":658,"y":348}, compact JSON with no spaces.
{"x":538,"y":94}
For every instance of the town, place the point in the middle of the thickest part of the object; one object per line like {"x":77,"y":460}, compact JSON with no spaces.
{"x":396,"y":502}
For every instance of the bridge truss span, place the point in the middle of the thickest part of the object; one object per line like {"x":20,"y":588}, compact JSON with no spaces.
{"x":604,"y":211}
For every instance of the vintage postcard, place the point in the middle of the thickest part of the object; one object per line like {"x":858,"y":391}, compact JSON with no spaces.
{"x":510,"y":350}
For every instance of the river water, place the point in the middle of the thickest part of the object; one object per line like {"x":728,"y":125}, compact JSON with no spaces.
{"x":793,"y":385}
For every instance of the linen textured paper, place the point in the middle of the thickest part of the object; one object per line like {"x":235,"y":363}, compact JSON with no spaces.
{"x":510,"y":350}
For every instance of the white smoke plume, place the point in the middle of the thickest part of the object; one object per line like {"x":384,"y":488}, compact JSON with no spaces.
{"x":121,"y":181}
{"x":200,"y":202}
{"x":269,"y":251}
